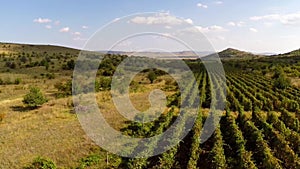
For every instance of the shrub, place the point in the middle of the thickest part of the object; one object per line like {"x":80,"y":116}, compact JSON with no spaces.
{"x":50,"y":75}
{"x":11,"y":65}
{"x":64,"y":89}
{"x":89,"y":161}
{"x":103,"y":84}
{"x":152,"y":76}
{"x":41,"y":163}
{"x":18,"y":81}
{"x":34,"y":98}
{"x":282,"y":82}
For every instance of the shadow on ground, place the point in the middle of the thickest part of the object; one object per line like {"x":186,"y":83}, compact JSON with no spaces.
{"x":21,"y":108}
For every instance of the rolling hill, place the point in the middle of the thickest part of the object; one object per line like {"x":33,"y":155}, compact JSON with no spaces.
{"x":231,"y":53}
{"x":28,"y":48}
{"x":227,"y":54}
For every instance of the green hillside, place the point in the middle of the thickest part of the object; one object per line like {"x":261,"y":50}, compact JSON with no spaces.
{"x":15,"y":48}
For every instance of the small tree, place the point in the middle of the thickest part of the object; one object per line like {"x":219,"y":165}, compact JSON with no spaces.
{"x":152,"y":76}
{"x":34,"y":98}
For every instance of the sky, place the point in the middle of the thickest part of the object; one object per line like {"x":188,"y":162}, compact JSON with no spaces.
{"x":255,"y":26}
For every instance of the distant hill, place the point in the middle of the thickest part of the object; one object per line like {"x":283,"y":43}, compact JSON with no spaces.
{"x":291,"y":54}
{"x":28,"y":48}
{"x":226,"y":54}
{"x":180,"y":54}
{"x":50,"y":49}
{"x":231,"y":53}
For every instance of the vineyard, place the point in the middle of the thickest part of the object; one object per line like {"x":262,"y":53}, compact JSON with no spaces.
{"x":258,"y":129}
{"x":259,"y":111}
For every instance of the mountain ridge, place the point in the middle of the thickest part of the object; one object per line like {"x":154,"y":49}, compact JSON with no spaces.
{"x":229,"y":53}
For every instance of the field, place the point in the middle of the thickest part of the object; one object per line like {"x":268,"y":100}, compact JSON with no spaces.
{"x":259,"y":127}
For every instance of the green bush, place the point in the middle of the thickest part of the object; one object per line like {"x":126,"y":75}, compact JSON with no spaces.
{"x":103,"y":84}
{"x":34,"y":98}
{"x":282,"y":82}
{"x":18,"y":81}
{"x":152,"y":76}
{"x":50,"y":75}
{"x":64,"y":89}
{"x":41,"y":163}
{"x":89,"y":161}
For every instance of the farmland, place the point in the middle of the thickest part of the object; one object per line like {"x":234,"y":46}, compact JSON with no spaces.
{"x":259,"y":126}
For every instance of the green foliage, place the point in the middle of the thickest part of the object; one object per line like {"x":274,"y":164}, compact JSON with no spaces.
{"x":103,"y":84}
{"x":69,"y":66}
{"x":152,"y":76}
{"x":114,"y":161}
{"x":238,"y":156}
{"x":41,"y":163}
{"x":64,"y":89}
{"x":23,"y":59}
{"x":89,"y":161}
{"x":18,"y":81}
{"x":282,"y":82}
{"x":11,"y":64}
{"x":34,"y":98}
{"x":173,"y":100}
{"x":217,"y":156}
{"x":50,"y":75}
{"x":280,"y":79}
{"x":278,"y":72}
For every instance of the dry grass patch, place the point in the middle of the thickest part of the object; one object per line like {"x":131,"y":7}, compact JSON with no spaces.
{"x":50,"y":131}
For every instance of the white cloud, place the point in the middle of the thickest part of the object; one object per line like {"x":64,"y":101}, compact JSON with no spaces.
{"x":286,"y":19}
{"x":158,"y":19}
{"x":42,"y":20}
{"x":84,"y":27}
{"x":214,"y":28}
{"x":77,"y":33}
{"x":238,"y":24}
{"x":253,"y":30}
{"x":218,"y":2}
{"x":65,"y":29}
{"x":48,"y":26}
{"x":190,"y":21}
{"x":231,"y":24}
{"x":202,"y":5}
{"x":209,"y":29}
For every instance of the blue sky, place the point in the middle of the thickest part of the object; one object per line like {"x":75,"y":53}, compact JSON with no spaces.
{"x":256,"y":26}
